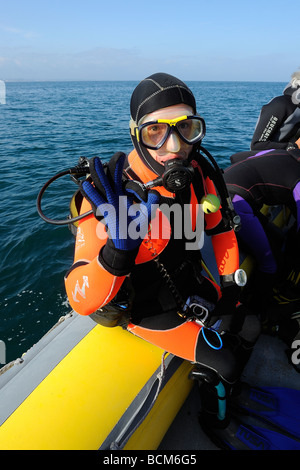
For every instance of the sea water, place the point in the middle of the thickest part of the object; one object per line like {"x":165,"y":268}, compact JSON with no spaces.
{"x":44,"y":128}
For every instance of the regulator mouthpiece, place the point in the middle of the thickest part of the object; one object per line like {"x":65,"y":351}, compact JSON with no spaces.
{"x":176,"y":177}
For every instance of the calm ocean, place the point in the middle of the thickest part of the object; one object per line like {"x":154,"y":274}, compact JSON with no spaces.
{"x":45,"y":128}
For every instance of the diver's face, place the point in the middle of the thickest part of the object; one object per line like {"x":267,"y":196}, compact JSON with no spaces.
{"x":174,"y":147}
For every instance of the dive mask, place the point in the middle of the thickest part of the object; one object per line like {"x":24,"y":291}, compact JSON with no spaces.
{"x":153,"y":134}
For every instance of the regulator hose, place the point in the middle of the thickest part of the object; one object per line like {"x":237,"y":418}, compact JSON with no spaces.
{"x":76,"y":172}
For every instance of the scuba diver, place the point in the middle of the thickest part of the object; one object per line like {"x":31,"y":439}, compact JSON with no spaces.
{"x":135,"y":265}
{"x":278,"y":125}
{"x":271,"y":178}
{"x":156,"y":282}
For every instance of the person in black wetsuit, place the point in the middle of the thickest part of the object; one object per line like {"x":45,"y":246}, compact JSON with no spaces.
{"x":278,"y":125}
{"x":271,"y":178}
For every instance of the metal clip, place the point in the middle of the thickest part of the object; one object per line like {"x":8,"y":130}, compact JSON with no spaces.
{"x":200,"y":312}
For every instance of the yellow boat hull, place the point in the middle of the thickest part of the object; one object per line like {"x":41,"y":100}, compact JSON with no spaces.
{"x":93,"y":394}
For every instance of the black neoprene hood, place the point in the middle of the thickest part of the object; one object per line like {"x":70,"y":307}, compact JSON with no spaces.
{"x":160,"y":90}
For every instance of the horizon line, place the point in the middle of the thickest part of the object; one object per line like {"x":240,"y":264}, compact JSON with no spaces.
{"x":126,"y":80}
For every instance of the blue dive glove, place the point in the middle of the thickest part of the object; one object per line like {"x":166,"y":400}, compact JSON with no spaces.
{"x":113,"y":200}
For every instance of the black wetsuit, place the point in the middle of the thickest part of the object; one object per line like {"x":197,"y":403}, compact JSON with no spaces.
{"x":269,"y":177}
{"x":265,"y":177}
{"x":278,"y":125}
{"x":258,"y":178}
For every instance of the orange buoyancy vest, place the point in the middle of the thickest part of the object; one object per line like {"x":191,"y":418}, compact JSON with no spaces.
{"x":224,"y":243}
{"x":89,"y":286}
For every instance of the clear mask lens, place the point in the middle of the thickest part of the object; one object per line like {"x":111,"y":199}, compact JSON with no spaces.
{"x":154,"y":135}
{"x":190,"y":129}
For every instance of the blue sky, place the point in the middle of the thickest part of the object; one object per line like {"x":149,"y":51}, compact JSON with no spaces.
{"x":129,"y":39}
